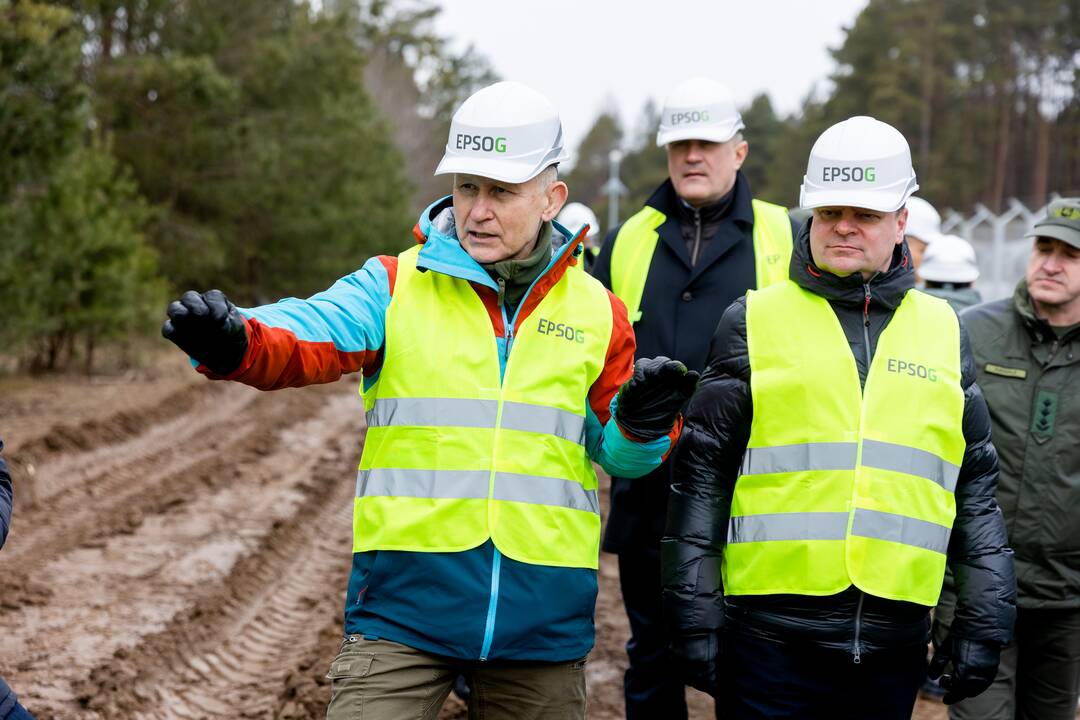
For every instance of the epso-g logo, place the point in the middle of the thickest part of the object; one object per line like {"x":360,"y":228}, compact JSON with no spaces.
{"x":903,"y":367}
{"x":484,"y":143}
{"x":848,"y":174}
{"x":562,"y":330}
{"x":689,"y":116}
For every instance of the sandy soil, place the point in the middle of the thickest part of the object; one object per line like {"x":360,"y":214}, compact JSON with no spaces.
{"x":180,"y":549}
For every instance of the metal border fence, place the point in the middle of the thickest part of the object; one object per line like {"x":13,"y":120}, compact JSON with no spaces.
{"x":1000,"y":246}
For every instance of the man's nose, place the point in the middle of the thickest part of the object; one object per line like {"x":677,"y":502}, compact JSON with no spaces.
{"x":845,"y":226}
{"x":1052,"y":264}
{"x":481,"y":209}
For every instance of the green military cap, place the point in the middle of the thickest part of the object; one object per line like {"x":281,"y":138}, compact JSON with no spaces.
{"x":1062,"y":222}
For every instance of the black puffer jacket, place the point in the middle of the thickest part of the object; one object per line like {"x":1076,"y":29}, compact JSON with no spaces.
{"x":706,"y":466}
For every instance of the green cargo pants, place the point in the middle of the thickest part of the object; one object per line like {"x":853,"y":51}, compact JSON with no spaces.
{"x":383,"y":680}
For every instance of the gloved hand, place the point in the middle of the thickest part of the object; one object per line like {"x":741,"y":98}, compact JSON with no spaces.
{"x":698,"y":657}
{"x":650,"y":401}
{"x":974,"y":665}
{"x":209,"y":328}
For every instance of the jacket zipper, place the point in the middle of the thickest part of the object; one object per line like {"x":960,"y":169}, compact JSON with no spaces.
{"x":697,"y":238}
{"x":856,"y":648}
{"x":866,"y":327}
{"x":496,"y":560}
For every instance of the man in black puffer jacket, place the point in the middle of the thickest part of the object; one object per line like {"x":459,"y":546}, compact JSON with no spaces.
{"x":831,"y":538}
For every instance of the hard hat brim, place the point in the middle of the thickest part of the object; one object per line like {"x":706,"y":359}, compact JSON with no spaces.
{"x":948,"y":272}
{"x":869,"y":199}
{"x":711,"y":134}
{"x":503,"y":171}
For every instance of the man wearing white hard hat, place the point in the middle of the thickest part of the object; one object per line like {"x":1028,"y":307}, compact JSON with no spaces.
{"x":949,"y":271}
{"x":575,"y":216}
{"x":493,"y":379}
{"x":701,"y":241}
{"x":923,"y":227}
{"x":835,"y":460}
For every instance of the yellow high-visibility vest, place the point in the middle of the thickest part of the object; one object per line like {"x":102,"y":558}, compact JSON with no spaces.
{"x":841,"y":486}
{"x":454,"y":456}
{"x":635,"y":244}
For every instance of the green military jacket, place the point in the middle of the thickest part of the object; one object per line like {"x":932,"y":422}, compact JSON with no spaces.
{"x":1031,"y":380}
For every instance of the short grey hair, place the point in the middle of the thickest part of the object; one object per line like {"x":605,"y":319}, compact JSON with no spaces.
{"x":547,"y":176}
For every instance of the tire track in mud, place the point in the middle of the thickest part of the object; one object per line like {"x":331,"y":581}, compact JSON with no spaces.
{"x":231,"y":654}
{"x":182,"y":532}
{"x":98,"y":467}
{"x":152,"y":473}
{"x":68,"y":438}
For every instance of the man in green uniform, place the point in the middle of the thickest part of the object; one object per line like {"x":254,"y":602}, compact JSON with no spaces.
{"x":1028,"y":352}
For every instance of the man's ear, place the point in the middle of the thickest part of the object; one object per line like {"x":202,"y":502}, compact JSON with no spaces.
{"x":741,"y":151}
{"x":901,"y":224}
{"x":556,"y":195}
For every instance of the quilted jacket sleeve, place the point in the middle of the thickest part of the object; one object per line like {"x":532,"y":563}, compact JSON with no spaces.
{"x":5,"y":498}
{"x":979,"y":554}
{"x":704,"y":470}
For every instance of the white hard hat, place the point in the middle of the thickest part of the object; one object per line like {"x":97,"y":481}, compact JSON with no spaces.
{"x":576,"y":214}
{"x":923,"y":221}
{"x":860,"y":162}
{"x":949,"y":258}
{"x":506,"y":131}
{"x":699,"y":109}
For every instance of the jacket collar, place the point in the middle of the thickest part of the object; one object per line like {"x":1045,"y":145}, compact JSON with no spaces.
{"x":442,"y":252}
{"x":667,"y":201}
{"x":887,"y":289}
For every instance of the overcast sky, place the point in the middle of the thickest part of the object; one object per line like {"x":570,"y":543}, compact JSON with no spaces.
{"x":586,"y":55}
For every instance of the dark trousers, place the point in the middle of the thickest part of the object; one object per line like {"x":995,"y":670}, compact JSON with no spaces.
{"x":1039,"y":674}
{"x":768,"y":679}
{"x":652,"y":685}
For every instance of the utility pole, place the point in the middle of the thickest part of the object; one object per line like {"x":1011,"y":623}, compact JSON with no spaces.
{"x":613,"y":188}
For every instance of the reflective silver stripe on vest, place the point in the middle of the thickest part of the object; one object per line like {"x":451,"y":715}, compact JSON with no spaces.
{"x":473,"y":485}
{"x":457,"y":412}
{"x":543,"y":419}
{"x":433,"y":412}
{"x":798,"y":458}
{"x":443,"y":484}
{"x":788,"y":526}
{"x":912,"y":461}
{"x":901,"y":529}
{"x":539,"y":490}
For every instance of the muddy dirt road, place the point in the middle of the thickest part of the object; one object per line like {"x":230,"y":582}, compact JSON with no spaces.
{"x":180,"y":549}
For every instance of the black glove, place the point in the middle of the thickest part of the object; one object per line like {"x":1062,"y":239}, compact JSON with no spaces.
{"x":650,"y":401}
{"x":974,"y":665}
{"x":698,"y":658}
{"x":209,"y":328}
